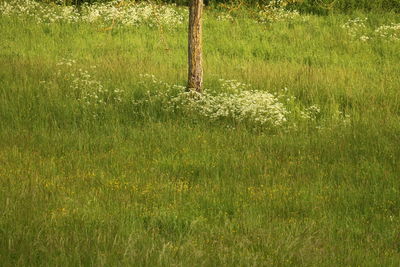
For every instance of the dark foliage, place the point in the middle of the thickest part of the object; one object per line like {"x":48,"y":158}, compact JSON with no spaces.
{"x":306,"y":6}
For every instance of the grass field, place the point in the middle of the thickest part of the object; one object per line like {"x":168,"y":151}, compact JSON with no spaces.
{"x":99,"y":168}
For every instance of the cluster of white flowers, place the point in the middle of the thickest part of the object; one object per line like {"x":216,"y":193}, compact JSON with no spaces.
{"x":358,"y":30}
{"x":111,"y":13}
{"x":234,"y":101}
{"x":256,"y":107}
{"x":276,"y":11}
{"x":132,"y":14}
{"x":86,"y":89}
{"x":389,"y":32}
{"x":233,"y":86}
{"x":311,"y":113}
{"x":42,"y":13}
{"x":225,"y":17}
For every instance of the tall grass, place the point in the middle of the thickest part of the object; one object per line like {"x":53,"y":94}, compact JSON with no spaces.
{"x":126,"y":184}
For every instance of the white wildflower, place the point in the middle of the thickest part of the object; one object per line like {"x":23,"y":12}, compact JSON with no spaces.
{"x":110,"y":13}
{"x":276,"y":11}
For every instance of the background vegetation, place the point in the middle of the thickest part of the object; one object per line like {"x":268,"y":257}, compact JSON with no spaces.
{"x":124,"y":181}
{"x":307,"y":6}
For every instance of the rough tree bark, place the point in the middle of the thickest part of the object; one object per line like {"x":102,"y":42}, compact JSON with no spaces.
{"x":195,"y":72}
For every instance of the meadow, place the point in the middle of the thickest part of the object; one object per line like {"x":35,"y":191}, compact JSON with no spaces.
{"x":289,"y":158}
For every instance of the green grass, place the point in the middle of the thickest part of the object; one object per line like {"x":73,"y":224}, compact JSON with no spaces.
{"x":124,"y":188}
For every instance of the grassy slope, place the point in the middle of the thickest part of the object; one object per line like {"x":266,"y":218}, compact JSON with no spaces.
{"x":162,"y":190}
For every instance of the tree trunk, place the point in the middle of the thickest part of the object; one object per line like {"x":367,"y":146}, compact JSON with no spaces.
{"x":195,"y":72}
